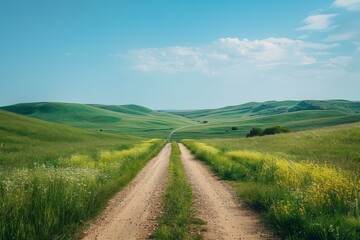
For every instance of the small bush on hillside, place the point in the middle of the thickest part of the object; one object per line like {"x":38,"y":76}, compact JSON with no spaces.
{"x":268,"y":131}
{"x":275,"y":130}
{"x":255,"y":132}
{"x":234,"y":128}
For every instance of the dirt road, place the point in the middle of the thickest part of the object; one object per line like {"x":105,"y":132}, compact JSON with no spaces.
{"x":132,"y":213}
{"x":217,"y":205}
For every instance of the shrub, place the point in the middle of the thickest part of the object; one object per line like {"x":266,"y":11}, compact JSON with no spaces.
{"x":276,"y":130}
{"x":268,"y":131}
{"x":255,"y":132}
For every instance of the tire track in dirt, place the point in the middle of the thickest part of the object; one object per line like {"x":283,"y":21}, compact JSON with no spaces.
{"x":216,"y":203}
{"x":132,"y":213}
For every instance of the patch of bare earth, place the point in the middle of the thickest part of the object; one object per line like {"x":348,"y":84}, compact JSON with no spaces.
{"x":133,"y":212}
{"x":216,"y":203}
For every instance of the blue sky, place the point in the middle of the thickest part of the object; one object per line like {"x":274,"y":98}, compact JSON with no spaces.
{"x":178,"y":54}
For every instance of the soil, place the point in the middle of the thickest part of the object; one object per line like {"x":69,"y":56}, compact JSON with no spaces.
{"x":133,"y":212}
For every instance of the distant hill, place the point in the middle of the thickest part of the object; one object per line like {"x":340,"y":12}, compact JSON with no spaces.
{"x":121,"y":119}
{"x":297,"y":115}
{"x":143,"y":122}
{"x":255,"y":109}
{"x":128,"y":109}
{"x":14,"y":125}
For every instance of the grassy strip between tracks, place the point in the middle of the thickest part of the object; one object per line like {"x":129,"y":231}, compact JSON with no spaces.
{"x":178,"y":220}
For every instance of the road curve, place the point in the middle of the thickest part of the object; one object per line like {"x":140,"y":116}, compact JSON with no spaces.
{"x":132,"y":213}
{"x":218,"y":206}
{"x":174,"y":131}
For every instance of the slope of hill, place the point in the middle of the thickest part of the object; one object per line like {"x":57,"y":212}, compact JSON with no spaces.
{"x":229,"y":121}
{"x":25,"y":140}
{"x":236,"y":121}
{"x":255,"y":109}
{"x":129,"y":109}
{"x":125,"y":119}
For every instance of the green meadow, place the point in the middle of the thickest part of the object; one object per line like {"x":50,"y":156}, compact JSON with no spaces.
{"x":61,"y":162}
{"x":26,"y":141}
{"x":130,"y":120}
{"x":337,"y":145}
{"x":296,"y":115}
{"x":305,"y":184}
{"x":53,"y":178}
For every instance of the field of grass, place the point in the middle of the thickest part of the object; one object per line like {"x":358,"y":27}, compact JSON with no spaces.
{"x":295,"y":120}
{"x":124,"y":119}
{"x":337,"y":145}
{"x":254,"y":109}
{"x":58,"y":173}
{"x":178,"y":217}
{"x":27,"y":142}
{"x":236,"y":121}
{"x":140,"y":121}
{"x":306,"y":184}
{"x":53,"y":178}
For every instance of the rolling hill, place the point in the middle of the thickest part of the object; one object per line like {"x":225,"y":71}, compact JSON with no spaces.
{"x":25,"y":140}
{"x":255,"y":109}
{"x":231,"y":121}
{"x":123,"y":119}
{"x":236,"y":121}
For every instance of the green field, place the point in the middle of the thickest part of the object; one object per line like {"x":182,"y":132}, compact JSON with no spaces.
{"x":306,"y":184}
{"x":26,"y":141}
{"x":254,"y":109}
{"x":126,"y":119}
{"x":337,"y":145}
{"x":77,"y":156}
{"x":53,"y":178}
{"x":296,"y":115}
{"x":140,"y":121}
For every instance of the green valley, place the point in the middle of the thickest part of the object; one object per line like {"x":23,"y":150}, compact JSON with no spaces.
{"x":126,"y":119}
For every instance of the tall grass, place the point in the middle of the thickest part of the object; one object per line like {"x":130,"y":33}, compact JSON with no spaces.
{"x":301,"y":200}
{"x":178,"y":215}
{"x":52,"y":201}
{"x":338,"y":146}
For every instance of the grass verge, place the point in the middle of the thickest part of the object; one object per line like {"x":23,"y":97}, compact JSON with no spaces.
{"x":53,"y":201}
{"x":178,"y":217}
{"x":300,"y":200}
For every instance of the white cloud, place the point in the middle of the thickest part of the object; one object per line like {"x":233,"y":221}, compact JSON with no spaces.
{"x":270,"y":51}
{"x":170,"y":59}
{"x":339,"y":61}
{"x":303,"y":36}
{"x":339,"y":37}
{"x":318,"y":22}
{"x":350,"y":5}
{"x":228,"y":54}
